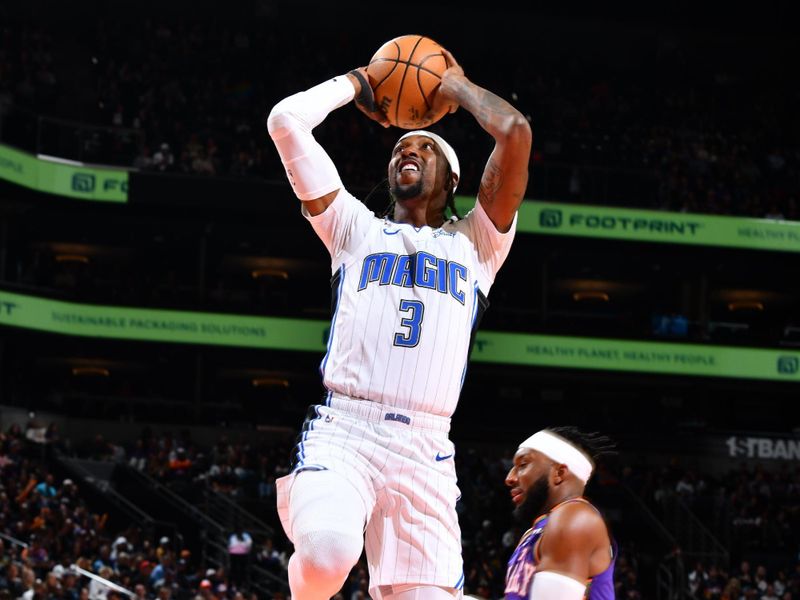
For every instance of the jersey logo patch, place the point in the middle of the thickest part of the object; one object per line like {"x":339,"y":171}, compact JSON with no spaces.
{"x":387,"y":232}
{"x":439,"y":457}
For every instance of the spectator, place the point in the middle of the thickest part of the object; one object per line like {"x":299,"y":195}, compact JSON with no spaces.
{"x":46,"y":489}
{"x":163,"y":547}
{"x":99,"y":590}
{"x":163,"y":159}
{"x":180,"y":464}
{"x":240,"y":545}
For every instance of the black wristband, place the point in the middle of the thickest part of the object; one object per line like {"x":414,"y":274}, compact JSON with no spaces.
{"x":365,"y":97}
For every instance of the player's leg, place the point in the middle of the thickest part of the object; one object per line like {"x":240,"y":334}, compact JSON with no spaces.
{"x":414,"y":538}
{"x":327,"y":516}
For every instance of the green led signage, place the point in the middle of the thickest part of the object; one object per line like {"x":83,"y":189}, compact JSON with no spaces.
{"x":579,"y":220}
{"x":153,"y":325}
{"x":63,"y":178}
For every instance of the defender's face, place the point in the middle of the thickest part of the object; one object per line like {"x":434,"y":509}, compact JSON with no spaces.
{"x":528,"y":468}
{"x":529,"y":480}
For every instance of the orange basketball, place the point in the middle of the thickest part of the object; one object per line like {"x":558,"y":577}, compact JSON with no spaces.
{"x":405,"y":74}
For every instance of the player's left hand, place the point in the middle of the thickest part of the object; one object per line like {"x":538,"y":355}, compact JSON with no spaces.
{"x":365,"y":96}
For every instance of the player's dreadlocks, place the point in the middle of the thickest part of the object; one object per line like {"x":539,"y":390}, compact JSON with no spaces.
{"x":382,"y":185}
{"x":593,"y":444}
{"x":450,"y":202}
{"x":451,"y":196}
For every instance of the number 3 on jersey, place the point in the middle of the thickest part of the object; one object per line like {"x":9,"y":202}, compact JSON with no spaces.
{"x":415,"y":309}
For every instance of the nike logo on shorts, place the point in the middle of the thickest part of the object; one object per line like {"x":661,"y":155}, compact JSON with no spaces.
{"x":439,"y":457}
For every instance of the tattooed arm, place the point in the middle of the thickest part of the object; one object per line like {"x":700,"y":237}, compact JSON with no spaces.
{"x":505,"y":176}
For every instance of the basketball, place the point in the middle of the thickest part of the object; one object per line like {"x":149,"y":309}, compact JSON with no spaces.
{"x":405,"y":74}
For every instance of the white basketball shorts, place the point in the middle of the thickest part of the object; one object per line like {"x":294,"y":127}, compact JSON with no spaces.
{"x":401,"y":464}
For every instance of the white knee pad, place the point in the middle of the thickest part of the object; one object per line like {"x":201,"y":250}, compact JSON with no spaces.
{"x":326,"y":557}
{"x":325,"y":501}
{"x":327,"y":518}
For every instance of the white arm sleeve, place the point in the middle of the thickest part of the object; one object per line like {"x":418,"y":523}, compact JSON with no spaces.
{"x":548,"y":585}
{"x":309,"y":168}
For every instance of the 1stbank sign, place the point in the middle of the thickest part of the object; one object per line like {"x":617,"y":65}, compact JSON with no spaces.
{"x":763,"y":448}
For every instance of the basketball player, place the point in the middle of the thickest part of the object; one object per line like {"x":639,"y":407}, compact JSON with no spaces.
{"x":567,"y":554}
{"x":374,"y":463}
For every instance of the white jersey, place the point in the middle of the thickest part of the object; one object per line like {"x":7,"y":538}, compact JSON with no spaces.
{"x":406,"y":303}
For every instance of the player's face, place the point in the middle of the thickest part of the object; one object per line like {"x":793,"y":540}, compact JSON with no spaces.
{"x":416,"y":168}
{"x":529,"y":480}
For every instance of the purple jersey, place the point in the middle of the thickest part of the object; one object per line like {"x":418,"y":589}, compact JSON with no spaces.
{"x":522,"y":565}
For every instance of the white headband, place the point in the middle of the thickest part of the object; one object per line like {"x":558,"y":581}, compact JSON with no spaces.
{"x":561,"y":451}
{"x":446,"y":148}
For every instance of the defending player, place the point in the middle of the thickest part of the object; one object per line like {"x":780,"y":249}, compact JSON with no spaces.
{"x":567,"y":554}
{"x":374,"y":464}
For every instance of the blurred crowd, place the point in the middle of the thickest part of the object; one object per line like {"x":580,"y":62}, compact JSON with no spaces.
{"x":743,"y":582}
{"x":246,"y":472}
{"x":674,"y":130}
{"x":51,"y":537}
{"x":753,"y":511}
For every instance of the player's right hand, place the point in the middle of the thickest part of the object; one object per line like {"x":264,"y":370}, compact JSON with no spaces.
{"x":365,"y":97}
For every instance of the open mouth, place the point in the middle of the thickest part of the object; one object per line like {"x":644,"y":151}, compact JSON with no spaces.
{"x":408,"y":165}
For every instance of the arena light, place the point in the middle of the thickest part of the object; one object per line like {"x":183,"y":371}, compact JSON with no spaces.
{"x":590,"y":295}
{"x":90,"y":372}
{"x":738,"y":305}
{"x":270,"y":382}
{"x":268,"y":272}
{"x":72,"y":258}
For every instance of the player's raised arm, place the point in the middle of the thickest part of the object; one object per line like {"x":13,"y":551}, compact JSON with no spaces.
{"x":310,"y":170}
{"x":505,"y":176}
